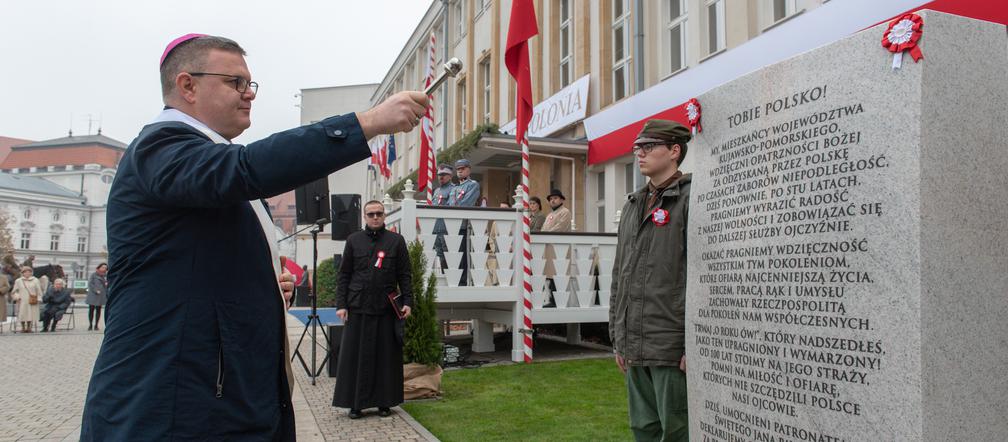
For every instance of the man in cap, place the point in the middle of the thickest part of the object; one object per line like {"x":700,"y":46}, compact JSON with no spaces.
{"x":465,"y":194}
{"x":443,"y":194}
{"x":559,"y":220}
{"x":442,"y":197}
{"x":647,"y":318}
{"x":188,"y":355}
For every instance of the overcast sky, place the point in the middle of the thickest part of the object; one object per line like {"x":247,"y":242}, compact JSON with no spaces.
{"x":100,"y":57}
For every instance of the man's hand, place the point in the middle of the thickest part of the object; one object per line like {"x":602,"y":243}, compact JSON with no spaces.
{"x":621,"y":363}
{"x":682,"y":364}
{"x":342,"y":313}
{"x":406,"y":310}
{"x":399,"y":113}
{"x":286,"y":286}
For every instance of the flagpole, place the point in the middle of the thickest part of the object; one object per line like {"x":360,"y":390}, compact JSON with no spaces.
{"x":521,"y":28}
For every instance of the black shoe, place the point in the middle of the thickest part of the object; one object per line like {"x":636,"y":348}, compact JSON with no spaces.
{"x":354,"y":414}
{"x":89,"y":327}
{"x":384,"y":412}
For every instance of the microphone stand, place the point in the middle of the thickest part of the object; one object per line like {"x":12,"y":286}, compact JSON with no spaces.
{"x":313,"y":318}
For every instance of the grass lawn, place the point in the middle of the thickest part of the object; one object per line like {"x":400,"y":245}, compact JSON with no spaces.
{"x":566,"y":400}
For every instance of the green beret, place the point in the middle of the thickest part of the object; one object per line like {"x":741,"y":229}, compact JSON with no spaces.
{"x":663,"y":130}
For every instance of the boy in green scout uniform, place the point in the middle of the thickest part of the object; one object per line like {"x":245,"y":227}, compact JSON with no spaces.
{"x":647,"y":315}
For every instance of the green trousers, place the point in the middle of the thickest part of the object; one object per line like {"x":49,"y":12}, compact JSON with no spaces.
{"x":657,"y":397}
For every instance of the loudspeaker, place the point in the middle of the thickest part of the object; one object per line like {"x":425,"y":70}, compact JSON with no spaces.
{"x":346,"y":215}
{"x":335,"y":338}
{"x":312,"y":201}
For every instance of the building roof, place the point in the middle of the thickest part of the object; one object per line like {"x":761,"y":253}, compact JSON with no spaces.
{"x":32,"y":184}
{"x":7,"y":142}
{"x":77,"y":151}
{"x":86,"y":140}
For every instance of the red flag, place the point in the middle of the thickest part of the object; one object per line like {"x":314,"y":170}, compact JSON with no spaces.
{"x":425,"y":176}
{"x":383,"y":160}
{"x":516,"y":57}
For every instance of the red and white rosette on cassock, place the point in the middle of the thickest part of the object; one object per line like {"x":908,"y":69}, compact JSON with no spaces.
{"x":693,"y":115}
{"x":902,"y":35}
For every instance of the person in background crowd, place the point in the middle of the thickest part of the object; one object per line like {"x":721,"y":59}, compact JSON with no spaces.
{"x":465,"y":194}
{"x":535,"y":214}
{"x":28,"y":294}
{"x":647,"y":321}
{"x":96,"y":295}
{"x":29,"y":262}
{"x":442,"y":197}
{"x":4,"y":298}
{"x":57,"y":299}
{"x":375,"y":267}
{"x":559,"y":220}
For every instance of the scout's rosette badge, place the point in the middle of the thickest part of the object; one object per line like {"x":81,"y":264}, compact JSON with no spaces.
{"x":902,"y":35}
{"x":693,"y":115}
{"x":381,"y":257}
{"x":659,"y":216}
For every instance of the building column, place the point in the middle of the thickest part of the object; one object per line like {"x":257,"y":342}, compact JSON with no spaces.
{"x":482,"y":336}
{"x":574,"y":334}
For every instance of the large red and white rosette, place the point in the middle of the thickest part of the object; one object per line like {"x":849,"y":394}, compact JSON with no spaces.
{"x":693,"y":115}
{"x":902,"y":35}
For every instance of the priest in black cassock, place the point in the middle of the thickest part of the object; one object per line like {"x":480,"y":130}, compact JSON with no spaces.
{"x":374,"y":298}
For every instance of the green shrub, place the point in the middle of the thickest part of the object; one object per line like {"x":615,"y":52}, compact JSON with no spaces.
{"x":328,"y":280}
{"x":422,"y":343}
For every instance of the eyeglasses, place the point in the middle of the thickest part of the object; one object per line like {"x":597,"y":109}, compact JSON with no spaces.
{"x":375,"y":214}
{"x":646,"y":147}
{"x":241,"y":84}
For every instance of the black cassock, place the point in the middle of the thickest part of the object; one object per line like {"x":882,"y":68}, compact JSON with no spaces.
{"x":370,"y":366}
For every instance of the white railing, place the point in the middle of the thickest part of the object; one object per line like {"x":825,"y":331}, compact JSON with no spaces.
{"x":577,"y":266}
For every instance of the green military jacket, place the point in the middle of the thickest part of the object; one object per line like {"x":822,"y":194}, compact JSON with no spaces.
{"x":647,"y":313}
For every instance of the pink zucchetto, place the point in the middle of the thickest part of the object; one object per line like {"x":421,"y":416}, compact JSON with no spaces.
{"x":177,"y":42}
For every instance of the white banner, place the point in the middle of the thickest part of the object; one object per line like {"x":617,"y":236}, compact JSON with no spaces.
{"x":564,"y":108}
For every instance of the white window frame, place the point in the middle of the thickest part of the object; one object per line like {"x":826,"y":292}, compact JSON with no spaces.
{"x":790,"y":8}
{"x":566,"y":59}
{"x":25,"y":240}
{"x":623,"y":22}
{"x":54,"y":241}
{"x":600,"y":203}
{"x":460,"y":90}
{"x":719,"y":21}
{"x":82,"y":242}
{"x":56,"y":216}
{"x":485,"y":76}
{"x":461,"y":17}
{"x":672,"y":23}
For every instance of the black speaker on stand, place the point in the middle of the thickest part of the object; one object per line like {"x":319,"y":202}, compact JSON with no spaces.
{"x":312,"y":201}
{"x":346,"y":215}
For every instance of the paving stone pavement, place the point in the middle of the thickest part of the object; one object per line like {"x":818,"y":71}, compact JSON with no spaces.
{"x":44,"y":378}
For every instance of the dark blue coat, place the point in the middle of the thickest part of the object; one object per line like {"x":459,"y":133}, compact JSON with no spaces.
{"x":194,"y":336}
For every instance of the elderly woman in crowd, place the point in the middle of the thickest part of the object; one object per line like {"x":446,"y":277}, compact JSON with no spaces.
{"x":96,"y":295}
{"x":28,"y":294}
{"x":57,"y":298}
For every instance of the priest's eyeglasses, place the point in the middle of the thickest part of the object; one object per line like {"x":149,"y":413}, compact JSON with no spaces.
{"x":375,"y":214}
{"x":646,"y":147}
{"x":241,"y":84}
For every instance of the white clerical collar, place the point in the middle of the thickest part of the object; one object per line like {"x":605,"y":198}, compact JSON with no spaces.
{"x":172,"y":114}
